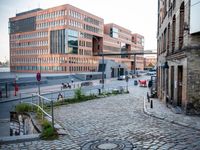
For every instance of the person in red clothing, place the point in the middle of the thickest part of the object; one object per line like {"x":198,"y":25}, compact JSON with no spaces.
{"x":16,"y":88}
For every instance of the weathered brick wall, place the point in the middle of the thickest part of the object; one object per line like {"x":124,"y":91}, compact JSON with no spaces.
{"x":193,"y":84}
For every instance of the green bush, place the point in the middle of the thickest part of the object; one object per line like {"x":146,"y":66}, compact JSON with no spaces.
{"x":115,"y":92}
{"x":46,"y":124}
{"x":78,"y":94}
{"x":23,"y":107}
{"x":48,"y":132}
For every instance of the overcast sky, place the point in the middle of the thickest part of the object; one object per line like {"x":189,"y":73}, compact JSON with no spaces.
{"x":139,"y":16}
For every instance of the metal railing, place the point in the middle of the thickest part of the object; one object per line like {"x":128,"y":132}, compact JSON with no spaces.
{"x":40,"y":105}
{"x":38,"y":100}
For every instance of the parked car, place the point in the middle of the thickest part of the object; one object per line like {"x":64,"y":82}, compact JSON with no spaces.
{"x":122,"y":77}
{"x":138,"y":72}
{"x":151,"y":73}
{"x":87,"y":83}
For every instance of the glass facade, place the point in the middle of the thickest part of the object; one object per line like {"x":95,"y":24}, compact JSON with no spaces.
{"x":114,"y":32}
{"x":72,"y":41}
{"x":64,"y":41}
{"x":57,"y":42}
{"x":23,"y":25}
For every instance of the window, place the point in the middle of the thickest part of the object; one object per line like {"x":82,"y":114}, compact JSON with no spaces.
{"x":173,"y":33}
{"x":72,"y":41}
{"x":181,"y":25}
{"x":114,"y":32}
{"x":168,"y":37}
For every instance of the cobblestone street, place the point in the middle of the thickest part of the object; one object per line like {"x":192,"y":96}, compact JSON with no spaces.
{"x":119,"y":117}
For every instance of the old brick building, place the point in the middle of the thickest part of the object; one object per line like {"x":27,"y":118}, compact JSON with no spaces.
{"x":65,"y":39}
{"x":149,"y":62}
{"x":178,"y":46}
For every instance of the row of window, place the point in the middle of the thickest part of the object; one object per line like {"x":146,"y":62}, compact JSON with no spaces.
{"x":124,"y":38}
{"x":44,"y":51}
{"x":29,"y":52}
{"x":85,"y":43}
{"x":167,"y":6}
{"x":80,"y":16}
{"x":56,"y":68}
{"x":71,"y":13}
{"x":54,"y":14}
{"x":124,"y":32}
{"x":86,"y":35}
{"x":29,"y":44}
{"x":71,"y":23}
{"x":93,"y":29}
{"x":71,"y":60}
{"x":51,"y":24}
{"x":75,"y":24}
{"x":169,"y":39}
{"x":28,"y":36}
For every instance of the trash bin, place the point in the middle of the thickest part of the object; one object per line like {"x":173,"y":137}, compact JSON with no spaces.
{"x":135,"y":82}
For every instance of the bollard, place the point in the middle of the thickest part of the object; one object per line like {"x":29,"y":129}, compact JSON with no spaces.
{"x":99,"y":91}
{"x":148,"y":96}
{"x":151,"y":104}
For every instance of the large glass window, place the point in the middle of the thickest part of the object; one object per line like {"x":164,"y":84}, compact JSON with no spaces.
{"x":57,"y":41}
{"x":73,"y":50}
{"x":73,"y":33}
{"x":114,"y":32}
{"x":72,"y":41}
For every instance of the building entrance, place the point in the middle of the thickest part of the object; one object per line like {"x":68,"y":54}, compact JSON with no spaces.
{"x":180,"y":80}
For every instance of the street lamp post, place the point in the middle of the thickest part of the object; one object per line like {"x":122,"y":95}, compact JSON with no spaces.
{"x":103,"y":69}
{"x":134,"y":64}
{"x":103,"y":64}
{"x":38,"y":77}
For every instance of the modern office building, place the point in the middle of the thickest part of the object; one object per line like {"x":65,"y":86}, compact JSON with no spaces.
{"x":178,"y":46}
{"x":65,"y":39}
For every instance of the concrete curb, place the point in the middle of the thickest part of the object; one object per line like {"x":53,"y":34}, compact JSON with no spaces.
{"x":15,"y":139}
{"x":167,"y":119}
{"x":14,"y":99}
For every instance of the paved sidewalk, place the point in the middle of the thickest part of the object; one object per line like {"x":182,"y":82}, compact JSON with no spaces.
{"x":26,"y":93}
{"x":161,"y":111}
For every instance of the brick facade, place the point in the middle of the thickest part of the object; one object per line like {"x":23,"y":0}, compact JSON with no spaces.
{"x":65,"y":39}
{"x":178,"y":56}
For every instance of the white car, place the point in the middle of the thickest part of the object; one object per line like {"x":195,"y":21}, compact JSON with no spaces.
{"x":151,"y":73}
{"x":123,"y":77}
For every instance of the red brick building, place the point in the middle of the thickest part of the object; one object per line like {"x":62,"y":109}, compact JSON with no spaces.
{"x":65,"y":39}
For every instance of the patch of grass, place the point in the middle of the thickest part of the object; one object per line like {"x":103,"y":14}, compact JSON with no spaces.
{"x":48,"y":132}
{"x":23,"y":107}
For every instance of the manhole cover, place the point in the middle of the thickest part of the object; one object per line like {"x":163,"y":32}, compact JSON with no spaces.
{"x":108,"y":145}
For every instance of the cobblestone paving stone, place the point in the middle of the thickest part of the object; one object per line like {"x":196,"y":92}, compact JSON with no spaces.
{"x":115,"y":118}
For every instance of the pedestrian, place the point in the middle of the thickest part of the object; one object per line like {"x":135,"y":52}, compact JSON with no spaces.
{"x":72,"y":80}
{"x":150,"y":83}
{"x":60,"y":97}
